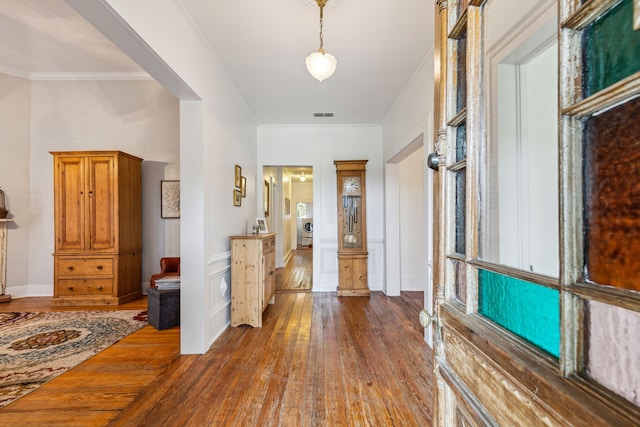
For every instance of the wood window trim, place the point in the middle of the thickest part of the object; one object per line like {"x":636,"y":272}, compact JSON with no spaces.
{"x":606,"y":294}
{"x":537,"y":278}
{"x":587,"y":13}
{"x":459,"y":118}
{"x":460,"y":26}
{"x":607,"y":98}
{"x":536,"y":371}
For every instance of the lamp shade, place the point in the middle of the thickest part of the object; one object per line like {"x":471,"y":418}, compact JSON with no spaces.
{"x":321,"y":64}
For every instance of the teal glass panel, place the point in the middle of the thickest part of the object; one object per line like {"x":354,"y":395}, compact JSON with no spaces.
{"x":460,"y":211}
{"x":610,"y":49}
{"x":461,"y":73}
{"x":528,"y":310}
{"x":461,"y":142}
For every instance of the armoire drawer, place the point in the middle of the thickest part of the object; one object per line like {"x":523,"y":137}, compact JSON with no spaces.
{"x":80,"y":287}
{"x":85,"y":267}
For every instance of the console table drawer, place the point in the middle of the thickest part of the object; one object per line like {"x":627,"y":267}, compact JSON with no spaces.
{"x":85,"y":267}
{"x":268,"y":244}
{"x":80,"y":287}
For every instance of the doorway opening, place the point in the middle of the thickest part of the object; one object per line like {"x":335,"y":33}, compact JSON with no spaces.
{"x":408,"y":208}
{"x":289,"y":196}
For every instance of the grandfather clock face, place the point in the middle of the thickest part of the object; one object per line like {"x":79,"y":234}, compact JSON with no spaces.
{"x":351,"y":185}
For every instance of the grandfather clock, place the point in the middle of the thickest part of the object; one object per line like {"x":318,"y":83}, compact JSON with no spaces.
{"x":352,"y":228}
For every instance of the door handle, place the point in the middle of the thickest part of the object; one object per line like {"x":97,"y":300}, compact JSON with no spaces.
{"x":433,"y":161}
{"x":426,"y":319}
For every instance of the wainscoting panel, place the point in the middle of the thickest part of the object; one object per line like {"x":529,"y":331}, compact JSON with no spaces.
{"x":325,"y":265}
{"x":219,"y":292}
{"x":376,"y":264}
{"x":326,"y":280}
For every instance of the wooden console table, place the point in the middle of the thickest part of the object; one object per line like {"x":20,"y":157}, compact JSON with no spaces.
{"x":253,"y":277}
{"x":4,"y":222}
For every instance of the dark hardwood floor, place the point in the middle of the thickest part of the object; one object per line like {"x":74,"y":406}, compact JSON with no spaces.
{"x":297,"y":275}
{"x":97,"y":390}
{"x":318,"y":360}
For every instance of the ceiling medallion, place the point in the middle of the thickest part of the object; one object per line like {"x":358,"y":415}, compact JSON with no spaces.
{"x":329,"y":5}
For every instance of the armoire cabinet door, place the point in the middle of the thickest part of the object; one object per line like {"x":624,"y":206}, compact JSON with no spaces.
{"x":70,"y":206}
{"x":101,"y":202}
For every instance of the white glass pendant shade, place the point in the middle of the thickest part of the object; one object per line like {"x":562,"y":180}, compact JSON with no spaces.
{"x":321,"y":64}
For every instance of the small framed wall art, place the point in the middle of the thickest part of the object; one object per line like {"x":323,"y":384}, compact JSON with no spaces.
{"x":265,"y":194}
{"x":238,"y":176}
{"x":170,"y":199}
{"x":243,"y":186}
{"x":237,"y":197}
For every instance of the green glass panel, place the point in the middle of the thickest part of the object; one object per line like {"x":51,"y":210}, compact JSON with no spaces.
{"x":528,"y":310}
{"x":611,"y":49}
{"x":461,"y":142}
{"x":461,"y":73}
{"x":460,"y":211}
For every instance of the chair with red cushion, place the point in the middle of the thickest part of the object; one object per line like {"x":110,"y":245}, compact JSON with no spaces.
{"x":169,"y":266}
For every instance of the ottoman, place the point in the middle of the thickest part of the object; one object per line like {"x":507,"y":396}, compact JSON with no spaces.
{"x":164,"y":308}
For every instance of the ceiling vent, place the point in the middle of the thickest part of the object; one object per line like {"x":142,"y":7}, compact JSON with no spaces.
{"x":323,"y":114}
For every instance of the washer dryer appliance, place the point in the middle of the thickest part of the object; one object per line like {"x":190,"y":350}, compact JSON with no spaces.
{"x":307,"y":231}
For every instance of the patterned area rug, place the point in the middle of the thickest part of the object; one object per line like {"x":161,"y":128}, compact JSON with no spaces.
{"x":37,"y":347}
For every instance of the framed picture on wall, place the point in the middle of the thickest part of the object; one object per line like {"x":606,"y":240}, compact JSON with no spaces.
{"x":237,"y":198}
{"x":238,"y":176}
{"x":170,"y":199}
{"x":287,"y":206}
{"x":243,"y":186}
{"x":266,"y":198}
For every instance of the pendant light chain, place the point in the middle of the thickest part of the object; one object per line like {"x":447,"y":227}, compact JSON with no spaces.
{"x":321,"y":64}
{"x":321,"y":24}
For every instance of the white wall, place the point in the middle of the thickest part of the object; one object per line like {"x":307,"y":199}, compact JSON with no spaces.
{"x":319,"y":146}
{"x":409,"y":116}
{"x":217,"y":131}
{"x":15,"y":145}
{"x":407,"y":127}
{"x":412,"y":222}
{"x":137,"y":117}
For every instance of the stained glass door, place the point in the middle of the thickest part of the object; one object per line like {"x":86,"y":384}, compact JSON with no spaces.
{"x":544,"y":332}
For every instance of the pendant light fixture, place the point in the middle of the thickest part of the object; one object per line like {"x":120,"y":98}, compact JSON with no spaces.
{"x":321,"y":64}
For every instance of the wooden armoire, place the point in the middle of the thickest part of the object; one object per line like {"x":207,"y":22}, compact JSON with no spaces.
{"x":98,"y":227}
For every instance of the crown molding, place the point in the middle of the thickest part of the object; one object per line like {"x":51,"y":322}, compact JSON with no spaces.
{"x":138,"y":75}
{"x":91,"y":76}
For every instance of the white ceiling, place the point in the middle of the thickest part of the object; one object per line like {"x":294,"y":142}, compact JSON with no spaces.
{"x":261,"y":44}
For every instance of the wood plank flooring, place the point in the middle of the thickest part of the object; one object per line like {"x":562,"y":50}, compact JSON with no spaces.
{"x":94,"y":392}
{"x":319,"y":360}
{"x":297,"y":275}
